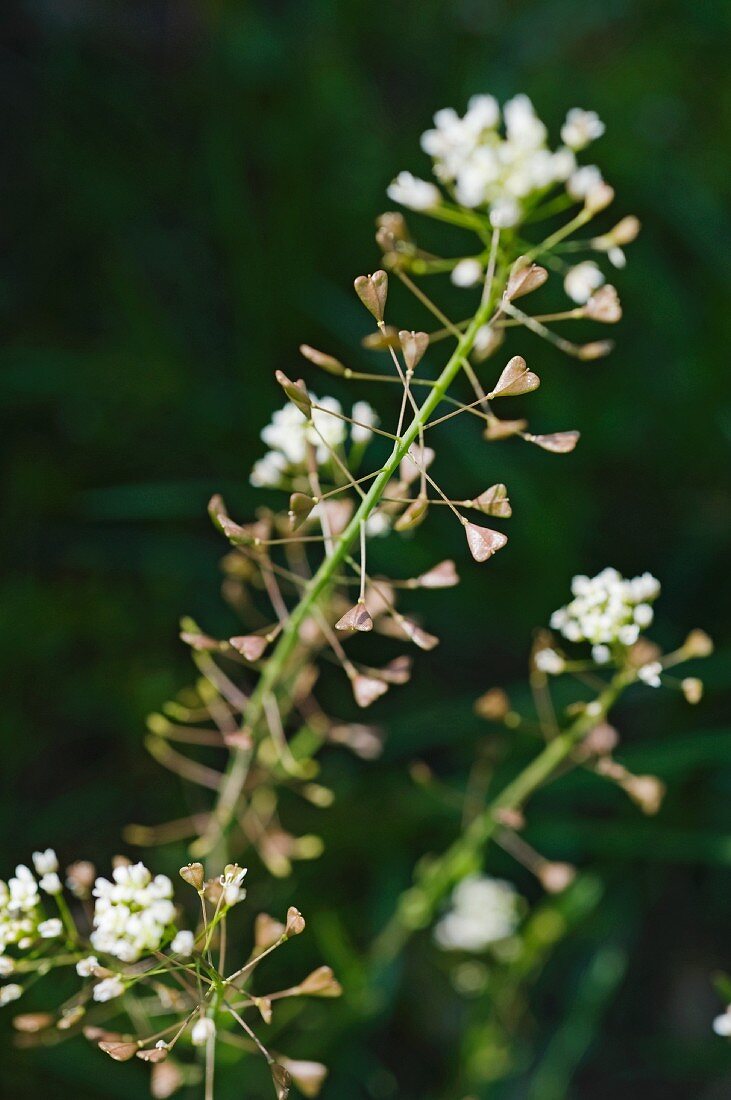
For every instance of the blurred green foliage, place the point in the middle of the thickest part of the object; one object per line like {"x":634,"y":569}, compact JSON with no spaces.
{"x":188,"y":192}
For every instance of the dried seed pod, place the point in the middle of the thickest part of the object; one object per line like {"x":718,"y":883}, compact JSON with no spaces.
{"x":282,"y":1080}
{"x":154,"y":1055}
{"x":120,"y":1052}
{"x":295,"y":922}
{"x":503,"y":429}
{"x":524,"y":277}
{"x":493,"y":705}
{"x":419,"y":637}
{"x":166,"y":1079}
{"x":201,"y":643}
{"x":194,"y":874}
{"x":483,"y":542}
{"x":32,"y":1022}
{"x":692,"y":689}
{"x":413,"y":345}
{"x":443,"y":575}
{"x":323,"y":360}
{"x":559,"y":443}
{"x":296,"y":392}
{"x":357,"y":618}
{"x":418,"y":459}
{"x":601,"y":741}
{"x":300,"y":506}
{"x":412,"y":516}
{"x":365,"y":741}
{"x":80,"y":877}
{"x":265,"y":1008}
{"x":396,"y":225}
{"x":494,"y":501}
{"x":397,"y":671}
{"x":385,"y":338}
{"x":267,"y":930}
{"x":373,"y":291}
{"x":698,"y":644}
{"x":604,"y":305}
{"x":510,"y":818}
{"x":321,"y":983}
{"x":647,"y":791}
{"x":555,"y":877}
{"x":515,"y":379}
{"x":597,"y":349}
{"x":367,"y":689}
{"x":309,"y":1077}
{"x":251,"y":646}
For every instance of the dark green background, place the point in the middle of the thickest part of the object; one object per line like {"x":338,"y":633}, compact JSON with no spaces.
{"x":188,"y":190}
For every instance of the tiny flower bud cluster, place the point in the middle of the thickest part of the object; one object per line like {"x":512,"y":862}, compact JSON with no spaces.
{"x":132,"y":913}
{"x":483,"y":911}
{"x":22,"y":918}
{"x":607,"y":610}
{"x":505,"y":172}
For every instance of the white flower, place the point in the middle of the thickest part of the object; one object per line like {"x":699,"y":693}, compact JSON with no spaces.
{"x":377,"y":524}
{"x":467,"y":272}
{"x":108,"y":989}
{"x":86,"y":967}
{"x":231,"y":880}
{"x":504,"y":213}
{"x":722,"y":1024}
{"x":183,"y":943}
{"x":602,"y":654}
{"x":51,"y":883}
{"x":23,"y":890}
{"x":367,"y":418}
{"x":583,"y":181}
{"x":203,"y":1029}
{"x":582,"y":280}
{"x":45,"y":863}
{"x":616,"y":257}
{"x":414,"y":193}
{"x":132,"y":913}
{"x":581,"y":127}
{"x":549,"y":661}
{"x":267,"y":471}
{"x":650,"y":674}
{"x":483,"y":911}
{"x":50,"y":929}
{"x":605,"y":609}
{"x":10,"y":993}
{"x":7,"y":966}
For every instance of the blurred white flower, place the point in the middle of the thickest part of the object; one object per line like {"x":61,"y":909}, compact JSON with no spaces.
{"x":607,"y":609}
{"x":268,"y":471}
{"x":650,"y":674}
{"x":367,"y":418}
{"x":584,"y":181}
{"x":108,"y":989}
{"x":580,"y":128}
{"x":10,"y":993}
{"x":414,"y":193}
{"x":549,"y":661}
{"x":582,"y":280}
{"x":483,"y":911}
{"x":50,"y":883}
{"x":50,"y":929}
{"x":86,"y":967}
{"x":722,"y":1024}
{"x":203,"y":1029}
{"x":467,"y":272}
{"x":45,"y":863}
{"x":183,"y":943}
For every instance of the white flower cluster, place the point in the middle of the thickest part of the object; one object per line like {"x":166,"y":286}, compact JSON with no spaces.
{"x":289,"y":434}
{"x":22,"y":919}
{"x":483,"y":911}
{"x":607,"y":610}
{"x":505,"y":172}
{"x":132,"y":913}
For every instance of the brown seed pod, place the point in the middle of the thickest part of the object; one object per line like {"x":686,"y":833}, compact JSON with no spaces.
{"x":357,"y":618}
{"x":559,"y":443}
{"x":373,"y":291}
{"x":516,"y":379}
{"x":483,"y":542}
{"x":323,"y":360}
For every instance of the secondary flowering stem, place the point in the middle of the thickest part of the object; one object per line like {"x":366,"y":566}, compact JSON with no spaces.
{"x":240,"y":761}
{"x":418,"y":904}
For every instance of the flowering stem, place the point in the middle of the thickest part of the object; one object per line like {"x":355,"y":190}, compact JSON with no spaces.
{"x":418,"y":904}
{"x":238,"y":767}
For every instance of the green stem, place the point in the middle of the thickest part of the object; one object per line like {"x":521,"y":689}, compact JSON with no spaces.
{"x":418,"y":904}
{"x":239,"y":763}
